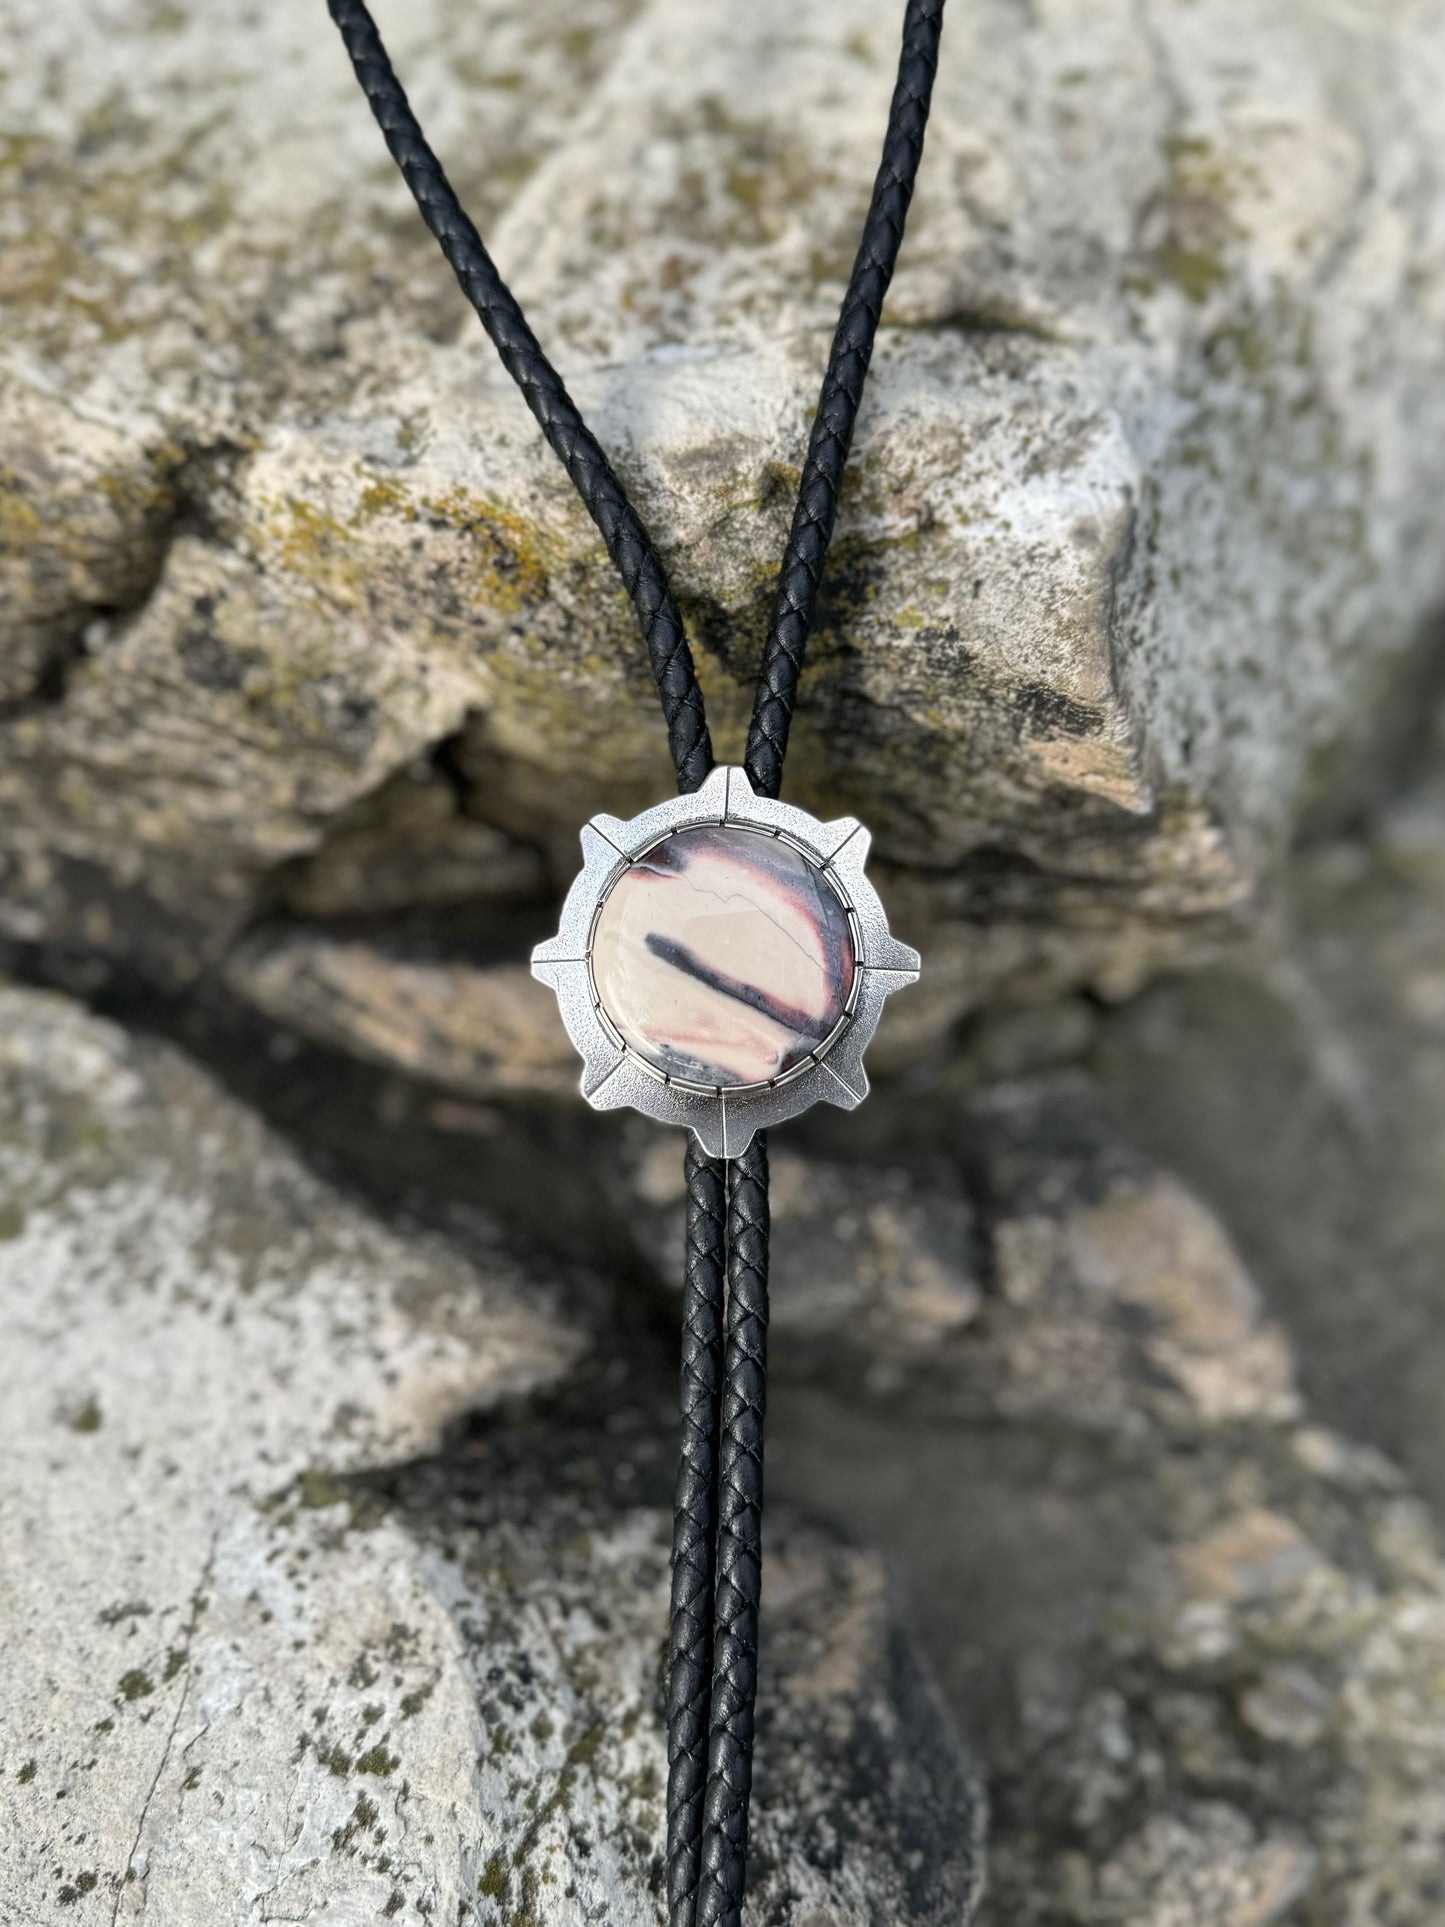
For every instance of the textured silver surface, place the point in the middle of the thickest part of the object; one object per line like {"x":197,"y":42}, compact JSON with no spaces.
{"x":724,"y":1121}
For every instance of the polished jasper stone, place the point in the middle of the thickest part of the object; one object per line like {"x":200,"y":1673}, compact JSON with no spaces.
{"x":723,"y":957}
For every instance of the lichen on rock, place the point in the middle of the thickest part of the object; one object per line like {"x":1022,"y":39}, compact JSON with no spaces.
{"x":1130,"y":536}
{"x":307,"y":1616}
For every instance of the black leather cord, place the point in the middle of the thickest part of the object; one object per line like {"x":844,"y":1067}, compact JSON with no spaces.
{"x":717,"y":1520}
{"x":602,"y":494}
{"x":842,"y":392}
{"x":690,"y":1641}
{"x":739,"y":1545}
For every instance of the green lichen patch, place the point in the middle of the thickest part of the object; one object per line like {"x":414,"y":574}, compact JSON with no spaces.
{"x":363,"y":1819}
{"x":353,"y":544}
{"x":495,"y":1881}
{"x":413,"y":1702}
{"x":363,"y":1672}
{"x":125,"y":1610}
{"x":1194,"y":222}
{"x":318,"y":1489}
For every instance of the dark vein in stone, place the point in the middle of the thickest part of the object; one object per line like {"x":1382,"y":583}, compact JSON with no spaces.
{"x":681,"y":958}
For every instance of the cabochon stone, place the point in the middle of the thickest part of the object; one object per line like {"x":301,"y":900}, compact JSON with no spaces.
{"x":723,"y":957}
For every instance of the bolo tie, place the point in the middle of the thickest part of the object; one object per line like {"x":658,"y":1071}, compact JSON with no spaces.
{"x":721,"y":962}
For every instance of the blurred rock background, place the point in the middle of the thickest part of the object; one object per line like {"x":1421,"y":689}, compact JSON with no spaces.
{"x":1106,"y":1435}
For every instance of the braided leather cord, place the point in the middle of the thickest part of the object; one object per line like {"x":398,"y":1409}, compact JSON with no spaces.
{"x":717,"y":1520}
{"x":602,"y":494}
{"x":690,"y":1644}
{"x":817,"y":506}
{"x":739,"y":1546}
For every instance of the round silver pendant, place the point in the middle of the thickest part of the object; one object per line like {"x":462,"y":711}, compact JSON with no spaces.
{"x":722,"y":962}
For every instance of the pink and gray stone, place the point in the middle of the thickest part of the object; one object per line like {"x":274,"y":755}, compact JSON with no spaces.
{"x":723,"y":957}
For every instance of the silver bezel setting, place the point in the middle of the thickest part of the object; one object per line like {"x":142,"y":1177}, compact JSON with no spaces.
{"x":723,"y":1119}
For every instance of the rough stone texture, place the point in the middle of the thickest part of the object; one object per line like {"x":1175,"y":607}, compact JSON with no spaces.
{"x":864,"y":1809}
{"x":1200,"y":1638}
{"x":1000,"y":1305}
{"x":309,"y":669}
{"x":1134,"y":530}
{"x":872,"y":1269}
{"x":199,"y":1338}
{"x":406,"y":847}
{"x":289,"y":1640}
{"x":1302,"y":1087}
{"x":486,"y":1031}
{"x":272,"y":1650}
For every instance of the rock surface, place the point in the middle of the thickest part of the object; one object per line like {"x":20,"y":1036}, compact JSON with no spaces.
{"x":1302,"y":1087}
{"x":873,"y":1269}
{"x":334,"y":1536}
{"x":998,"y":1305}
{"x":486,"y":1031}
{"x":1196,"y":1636}
{"x":1133,"y":533}
{"x":1199,"y":1637}
{"x":283,"y":1639}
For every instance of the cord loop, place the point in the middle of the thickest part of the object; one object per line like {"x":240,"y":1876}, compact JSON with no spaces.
{"x":717,"y":1518}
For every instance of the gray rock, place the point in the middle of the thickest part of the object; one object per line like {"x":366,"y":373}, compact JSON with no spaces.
{"x":565,"y":1561}
{"x":1302,"y":1087}
{"x":299,"y":1624}
{"x":406,"y":847}
{"x":982,"y":1296}
{"x":874,"y":1269}
{"x":1133,"y":533}
{"x":486,"y":1031}
{"x":1199,"y":1636}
